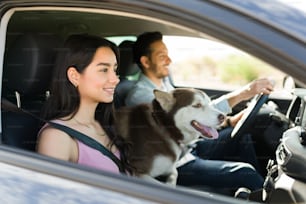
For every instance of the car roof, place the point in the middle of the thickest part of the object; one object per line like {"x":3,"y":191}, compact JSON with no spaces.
{"x":279,"y":15}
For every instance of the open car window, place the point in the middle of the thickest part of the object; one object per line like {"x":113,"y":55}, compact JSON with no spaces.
{"x":207,"y":64}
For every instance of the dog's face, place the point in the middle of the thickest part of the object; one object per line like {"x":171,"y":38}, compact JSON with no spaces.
{"x":193,"y":115}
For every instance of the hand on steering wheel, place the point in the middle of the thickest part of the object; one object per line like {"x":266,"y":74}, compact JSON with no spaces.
{"x":249,"y":114}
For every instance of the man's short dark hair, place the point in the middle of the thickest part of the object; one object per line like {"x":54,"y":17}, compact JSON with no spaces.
{"x":143,"y":43}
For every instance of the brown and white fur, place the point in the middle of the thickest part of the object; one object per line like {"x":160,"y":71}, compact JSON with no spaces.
{"x":158,"y":132}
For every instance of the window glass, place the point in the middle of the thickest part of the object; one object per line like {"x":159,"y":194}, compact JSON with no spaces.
{"x":118,"y":39}
{"x":202,"y":63}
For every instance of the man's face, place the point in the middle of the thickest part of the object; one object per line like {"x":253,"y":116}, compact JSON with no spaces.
{"x":158,"y":61}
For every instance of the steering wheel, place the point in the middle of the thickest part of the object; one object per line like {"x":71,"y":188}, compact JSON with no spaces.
{"x":249,"y":114}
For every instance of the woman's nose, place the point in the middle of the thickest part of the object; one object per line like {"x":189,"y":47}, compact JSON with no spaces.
{"x":114,"y":78}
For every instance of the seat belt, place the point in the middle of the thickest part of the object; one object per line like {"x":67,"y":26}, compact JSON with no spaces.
{"x":9,"y":106}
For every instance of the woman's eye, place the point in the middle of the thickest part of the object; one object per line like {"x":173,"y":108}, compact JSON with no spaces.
{"x":198,"y":105}
{"x":104,"y":69}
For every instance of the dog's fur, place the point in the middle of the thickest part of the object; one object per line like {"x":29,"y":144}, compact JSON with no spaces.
{"x":158,"y":132}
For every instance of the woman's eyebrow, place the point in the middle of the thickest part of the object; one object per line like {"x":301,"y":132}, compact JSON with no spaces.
{"x":106,"y":64}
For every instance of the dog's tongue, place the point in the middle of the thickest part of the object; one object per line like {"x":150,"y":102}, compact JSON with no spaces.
{"x":205,"y":130}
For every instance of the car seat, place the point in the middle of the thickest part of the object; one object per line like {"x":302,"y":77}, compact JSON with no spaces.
{"x":128,"y":72}
{"x":27,"y":72}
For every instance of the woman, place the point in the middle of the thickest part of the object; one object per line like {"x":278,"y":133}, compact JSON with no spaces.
{"x":81,"y":98}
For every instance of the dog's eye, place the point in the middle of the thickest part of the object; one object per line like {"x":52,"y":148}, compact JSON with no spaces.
{"x":198,"y":105}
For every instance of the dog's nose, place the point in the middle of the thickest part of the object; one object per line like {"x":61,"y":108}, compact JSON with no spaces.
{"x":221,"y":118}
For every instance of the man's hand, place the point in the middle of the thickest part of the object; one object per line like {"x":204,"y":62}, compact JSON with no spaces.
{"x":235,"y":118}
{"x":264,"y":86}
{"x":231,"y":121}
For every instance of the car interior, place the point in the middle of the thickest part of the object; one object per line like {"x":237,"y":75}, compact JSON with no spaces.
{"x":28,"y":67}
{"x":31,"y":50}
{"x":33,"y":39}
{"x":128,"y":72}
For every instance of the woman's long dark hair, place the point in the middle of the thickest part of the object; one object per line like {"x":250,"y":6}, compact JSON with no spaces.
{"x":64,"y":100}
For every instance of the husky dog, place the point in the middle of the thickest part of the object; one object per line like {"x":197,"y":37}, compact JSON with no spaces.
{"x":158,"y":133}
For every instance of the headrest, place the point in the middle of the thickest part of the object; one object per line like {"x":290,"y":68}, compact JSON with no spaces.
{"x":28,"y":64}
{"x":127,"y":66}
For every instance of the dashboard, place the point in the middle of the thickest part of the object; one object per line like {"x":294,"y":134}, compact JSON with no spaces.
{"x":291,"y":153}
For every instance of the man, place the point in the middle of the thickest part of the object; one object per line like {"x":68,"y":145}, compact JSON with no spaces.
{"x":151,"y":55}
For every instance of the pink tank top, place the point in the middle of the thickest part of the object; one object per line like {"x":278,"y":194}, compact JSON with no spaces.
{"x":91,"y":157}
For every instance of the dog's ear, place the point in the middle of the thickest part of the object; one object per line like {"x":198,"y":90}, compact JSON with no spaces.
{"x":165,"y":99}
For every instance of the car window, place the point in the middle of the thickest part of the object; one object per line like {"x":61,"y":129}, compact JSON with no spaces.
{"x":208,"y":64}
{"x":118,"y":39}
{"x":203,"y":63}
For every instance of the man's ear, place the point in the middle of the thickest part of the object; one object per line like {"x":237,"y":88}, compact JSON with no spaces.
{"x":144,"y":60}
{"x":73,"y":76}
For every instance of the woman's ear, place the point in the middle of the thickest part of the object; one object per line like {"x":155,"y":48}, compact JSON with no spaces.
{"x":73,"y":76}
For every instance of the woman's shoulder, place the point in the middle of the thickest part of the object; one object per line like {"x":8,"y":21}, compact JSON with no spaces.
{"x":56,"y":143}
{"x":48,"y":131}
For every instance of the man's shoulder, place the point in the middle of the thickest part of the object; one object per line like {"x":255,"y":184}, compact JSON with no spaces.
{"x":141,"y":86}
{"x":139,"y":93}
{"x":139,"y":89}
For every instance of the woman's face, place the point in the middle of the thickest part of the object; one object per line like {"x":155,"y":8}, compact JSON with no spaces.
{"x":98,"y":81}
